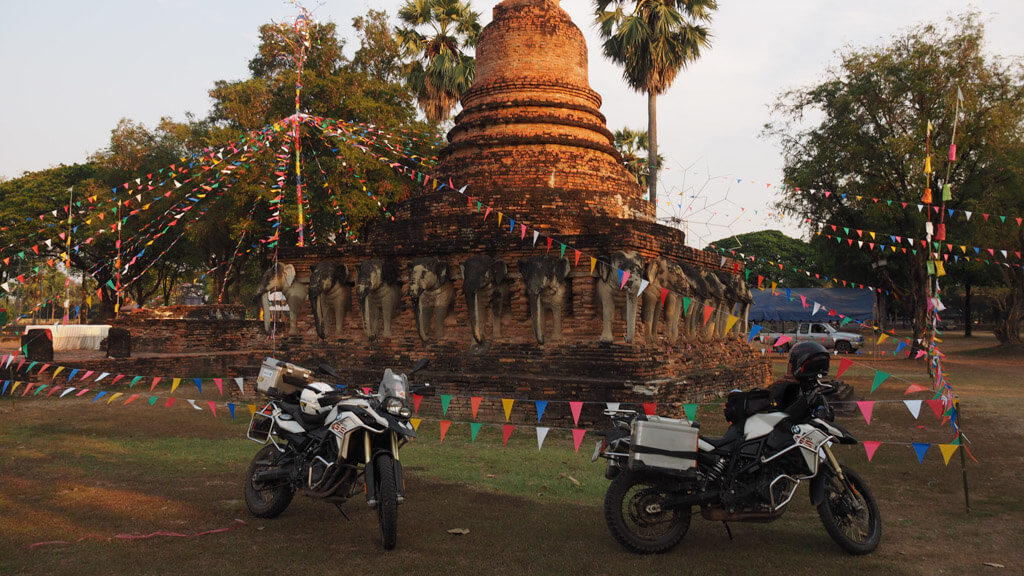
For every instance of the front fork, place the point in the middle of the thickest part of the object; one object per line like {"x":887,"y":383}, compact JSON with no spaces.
{"x":370,"y":471}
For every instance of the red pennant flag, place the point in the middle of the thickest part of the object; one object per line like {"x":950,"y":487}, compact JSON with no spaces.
{"x":445,"y":425}
{"x":843,"y":365}
{"x":416,"y":399}
{"x":475,"y":403}
{"x":576,"y":408}
{"x":708,"y":311}
{"x":155,"y":380}
{"x":131,"y":399}
{"x":170,"y":402}
{"x":915,"y":388}
{"x":936,"y":406}
{"x":650,"y":408}
{"x":664,"y":294}
{"x":506,"y":431}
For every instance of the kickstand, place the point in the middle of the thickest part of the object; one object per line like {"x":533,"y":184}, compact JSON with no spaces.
{"x":342,"y":510}
{"x":727,"y":529}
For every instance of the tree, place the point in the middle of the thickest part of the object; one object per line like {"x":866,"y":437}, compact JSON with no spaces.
{"x":653,"y":40}
{"x":438,"y":69}
{"x":632,"y":144}
{"x":773,"y":256}
{"x":868,"y":152}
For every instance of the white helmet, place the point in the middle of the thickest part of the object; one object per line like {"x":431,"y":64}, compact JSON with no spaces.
{"x":309,"y":399}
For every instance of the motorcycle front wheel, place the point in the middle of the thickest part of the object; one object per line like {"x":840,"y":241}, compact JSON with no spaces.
{"x":636,"y":517}
{"x":387,"y":500}
{"x":267,"y":499}
{"x":850,"y":513}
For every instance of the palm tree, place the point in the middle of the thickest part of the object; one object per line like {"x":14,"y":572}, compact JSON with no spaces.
{"x":633,"y":145}
{"x":653,"y":41}
{"x":438,"y":70}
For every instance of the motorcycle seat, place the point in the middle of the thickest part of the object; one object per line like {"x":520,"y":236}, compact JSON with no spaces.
{"x":731,"y":435}
{"x":294,"y":412}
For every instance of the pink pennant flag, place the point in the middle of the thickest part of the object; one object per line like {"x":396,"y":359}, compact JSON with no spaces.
{"x":870,"y":447}
{"x":367,"y":390}
{"x":213,"y":407}
{"x":577,"y":438}
{"x":576,"y":408}
{"x":781,"y":340}
{"x":506,"y":432}
{"x":475,"y":403}
{"x":625,"y":278}
{"x":866,"y":407}
{"x":220,"y":386}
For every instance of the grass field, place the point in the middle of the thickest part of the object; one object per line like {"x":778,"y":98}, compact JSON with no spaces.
{"x":91,"y":488}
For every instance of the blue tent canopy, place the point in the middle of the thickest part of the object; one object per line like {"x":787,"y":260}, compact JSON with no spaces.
{"x":786,"y":306}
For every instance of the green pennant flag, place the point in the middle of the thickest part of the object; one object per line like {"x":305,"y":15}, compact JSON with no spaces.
{"x":474,"y":428}
{"x":445,"y":400}
{"x":879,"y":378}
{"x":746,"y":274}
{"x":686,"y":305}
{"x":562,"y":255}
{"x":134,"y":380}
{"x":152,"y":400}
{"x":845,"y":320}
{"x":691,"y":411}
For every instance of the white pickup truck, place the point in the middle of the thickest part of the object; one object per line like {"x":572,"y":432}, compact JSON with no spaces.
{"x":821,"y":332}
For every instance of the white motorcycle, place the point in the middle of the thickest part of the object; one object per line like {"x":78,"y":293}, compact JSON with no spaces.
{"x":332,"y":444}
{"x":662,"y":468}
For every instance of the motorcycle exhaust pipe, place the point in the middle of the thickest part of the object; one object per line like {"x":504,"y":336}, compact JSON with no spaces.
{"x":272,"y":475}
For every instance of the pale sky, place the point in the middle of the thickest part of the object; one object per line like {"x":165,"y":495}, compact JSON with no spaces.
{"x":71,"y":70}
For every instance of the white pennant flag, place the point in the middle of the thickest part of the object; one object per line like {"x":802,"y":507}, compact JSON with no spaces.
{"x":239,"y":382}
{"x":102,"y":376}
{"x":643,"y":286}
{"x":968,"y":212}
{"x":612,"y":405}
{"x":463,"y":189}
{"x":542,"y":433}
{"x":535,"y":235}
{"x":193,"y":403}
{"x":816,"y":308}
{"x":723,"y":262}
{"x":67,"y":391}
{"x":914,"y":406}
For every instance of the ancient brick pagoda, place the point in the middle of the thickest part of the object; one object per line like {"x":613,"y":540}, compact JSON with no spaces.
{"x":531,"y":144}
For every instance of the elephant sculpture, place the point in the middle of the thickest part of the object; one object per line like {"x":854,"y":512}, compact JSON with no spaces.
{"x":664,"y":276}
{"x":281,"y":278}
{"x":379,"y":290}
{"x":737,"y":299}
{"x":485,"y":284}
{"x":547,"y":285}
{"x":707,"y":291}
{"x":616,"y":291}
{"x":330,"y":296}
{"x":432,"y":294}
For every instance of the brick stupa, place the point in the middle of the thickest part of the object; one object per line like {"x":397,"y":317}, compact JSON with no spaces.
{"x":531,"y":138}
{"x":531,"y":144}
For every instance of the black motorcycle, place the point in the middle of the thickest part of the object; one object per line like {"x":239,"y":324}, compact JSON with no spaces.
{"x":662,"y":468}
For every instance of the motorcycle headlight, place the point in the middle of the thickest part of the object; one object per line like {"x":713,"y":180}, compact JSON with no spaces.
{"x":397,"y":407}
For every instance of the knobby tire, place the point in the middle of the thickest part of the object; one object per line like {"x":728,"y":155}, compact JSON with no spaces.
{"x":851,"y":518}
{"x":630,"y":510}
{"x":387,"y":501}
{"x":266,"y":501}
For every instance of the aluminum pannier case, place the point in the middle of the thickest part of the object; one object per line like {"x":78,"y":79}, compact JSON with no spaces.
{"x":664,"y":444}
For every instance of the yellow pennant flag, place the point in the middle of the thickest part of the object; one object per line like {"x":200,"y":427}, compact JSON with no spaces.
{"x":774,"y":286}
{"x":252,"y":409}
{"x":593,"y":264}
{"x":882,"y":338}
{"x":16,"y":384}
{"x":174,"y":384}
{"x":115,"y":396}
{"x":499,"y":218}
{"x":939,"y":269}
{"x":947,"y":451}
{"x":732,"y":322}
{"x":416,"y":423}
{"x":507,"y":404}
{"x":928,"y":165}
{"x":57,"y":371}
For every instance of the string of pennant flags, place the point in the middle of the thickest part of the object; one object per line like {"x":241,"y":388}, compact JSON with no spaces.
{"x":108,"y":397}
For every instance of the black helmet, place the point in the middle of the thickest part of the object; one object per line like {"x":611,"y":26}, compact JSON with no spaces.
{"x":807,"y":361}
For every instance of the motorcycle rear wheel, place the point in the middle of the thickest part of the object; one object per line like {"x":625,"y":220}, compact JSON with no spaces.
{"x":266,"y":500}
{"x":850,"y":517}
{"x":387,"y":500}
{"x":634,"y":514}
